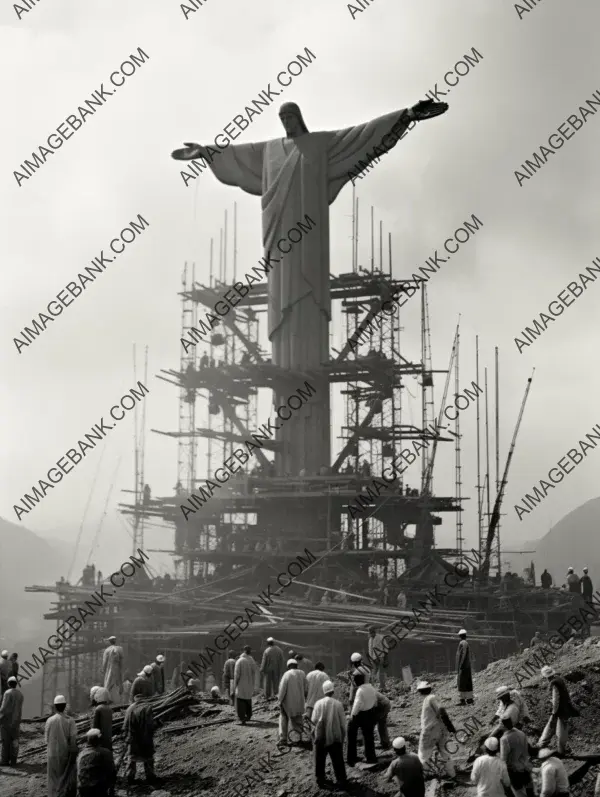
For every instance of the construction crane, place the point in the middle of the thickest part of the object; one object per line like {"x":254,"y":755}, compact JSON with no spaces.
{"x":495,"y":518}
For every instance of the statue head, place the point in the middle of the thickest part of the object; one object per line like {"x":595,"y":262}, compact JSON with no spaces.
{"x":291,"y":118}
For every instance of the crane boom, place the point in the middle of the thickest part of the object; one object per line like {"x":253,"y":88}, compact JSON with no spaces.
{"x":495,"y":518}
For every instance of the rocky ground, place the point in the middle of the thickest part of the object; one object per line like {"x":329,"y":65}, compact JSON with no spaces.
{"x":223,"y":758}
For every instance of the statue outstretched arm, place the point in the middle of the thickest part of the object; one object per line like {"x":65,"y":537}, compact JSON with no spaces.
{"x":239,"y":165}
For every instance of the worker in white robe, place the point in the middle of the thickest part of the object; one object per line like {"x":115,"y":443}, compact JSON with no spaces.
{"x":314,"y":686}
{"x":244,"y":681}
{"x":60,"y":734}
{"x":112,"y":669}
{"x":292,"y":696}
{"x":435,"y":729}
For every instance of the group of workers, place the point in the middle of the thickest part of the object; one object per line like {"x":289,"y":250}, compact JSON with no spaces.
{"x":573,"y":583}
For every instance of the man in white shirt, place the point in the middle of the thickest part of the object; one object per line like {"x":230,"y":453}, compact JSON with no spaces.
{"x":435,"y":728}
{"x":490,"y":774}
{"x":314,"y":682}
{"x":555,"y":781}
{"x":364,"y":716}
{"x":329,"y":730}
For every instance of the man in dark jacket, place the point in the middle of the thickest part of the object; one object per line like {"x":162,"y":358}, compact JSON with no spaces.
{"x":464,"y":678}
{"x":138,"y":728}
{"x":562,"y":711}
{"x":102,"y":717}
{"x":546,"y":579}
{"x":10,"y":722}
{"x":143,"y":684}
{"x":587,"y":588}
{"x":96,"y":773}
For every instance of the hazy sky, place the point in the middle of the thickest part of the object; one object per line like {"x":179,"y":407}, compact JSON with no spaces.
{"x":202,"y":71}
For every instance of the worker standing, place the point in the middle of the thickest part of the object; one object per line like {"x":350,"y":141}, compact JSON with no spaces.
{"x":158,"y":674}
{"x":330,"y":731}
{"x":464,"y":678}
{"x":14,"y":664}
{"x":314,"y":686}
{"x":60,"y":734}
{"x":490,"y":774}
{"x":11,"y":712}
{"x":546,"y":579}
{"x":292,"y":697}
{"x":228,"y":671}
{"x":5,"y":671}
{"x":304,"y":664}
{"x":383,"y":707}
{"x":573,"y":582}
{"x":555,"y":781}
{"x":363,"y":715}
{"x":587,"y":588}
{"x":143,"y":684}
{"x":102,"y":717}
{"x":139,"y":727}
{"x":357,"y":667}
{"x":244,"y":676}
{"x":514,"y":751}
{"x":435,"y":727}
{"x":377,"y":656}
{"x":407,"y":770}
{"x":112,"y":669}
{"x":562,"y":710}
{"x":536,"y":639}
{"x":96,"y":772}
{"x":272,"y":667}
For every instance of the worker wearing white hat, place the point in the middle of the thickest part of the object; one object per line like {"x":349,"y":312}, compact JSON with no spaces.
{"x":507,"y":707}
{"x":407,"y":769}
{"x":464,"y":677}
{"x":562,"y":710}
{"x":112,"y":669}
{"x":5,"y":672}
{"x":314,"y":686}
{"x":143,"y":684}
{"x":11,"y":712}
{"x":292,"y":695}
{"x":555,"y":780}
{"x":158,"y":674}
{"x":60,"y":734}
{"x":435,"y":728}
{"x":573,"y":582}
{"x":490,"y":774}
{"x":329,"y":721}
{"x":587,"y":588}
{"x":102,"y":717}
{"x":272,"y":668}
{"x":357,"y":666}
{"x":96,"y":772}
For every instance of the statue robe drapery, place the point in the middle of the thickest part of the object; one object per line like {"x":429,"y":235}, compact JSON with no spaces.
{"x":299,"y":177}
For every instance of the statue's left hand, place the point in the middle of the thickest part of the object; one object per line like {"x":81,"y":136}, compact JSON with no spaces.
{"x":189,"y":152}
{"x":427,"y":109}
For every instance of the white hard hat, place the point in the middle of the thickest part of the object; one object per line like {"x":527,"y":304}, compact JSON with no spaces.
{"x":356,"y":657}
{"x":4,"y":654}
{"x":502,"y":690}
{"x":102,"y":695}
{"x":547,"y":671}
{"x":93,"y":732}
{"x":491,"y":743}
{"x":215,"y":690}
{"x":585,"y":569}
{"x":422,"y":685}
{"x":112,"y":638}
{"x":399,"y":742}
{"x":544,"y":753}
{"x":292,"y":661}
{"x":160,"y":658}
{"x":93,"y":691}
{"x":328,"y":686}
{"x":462,"y":632}
{"x":148,"y":669}
{"x":270,"y":639}
{"x":59,"y":699}
{"x":12,"y":680}
{"x":570,"y":570}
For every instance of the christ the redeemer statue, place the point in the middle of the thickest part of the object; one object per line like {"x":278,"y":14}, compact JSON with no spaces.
{"x":298,"y":176}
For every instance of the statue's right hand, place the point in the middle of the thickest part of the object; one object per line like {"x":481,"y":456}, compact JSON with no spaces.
{"x":189,"y":152}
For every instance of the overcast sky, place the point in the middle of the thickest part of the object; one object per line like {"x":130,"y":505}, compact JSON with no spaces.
{"x":202,"y":71}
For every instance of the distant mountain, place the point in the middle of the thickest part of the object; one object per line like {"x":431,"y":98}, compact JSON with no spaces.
{"x":572,"y":542}
{"x":26,"y":560}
